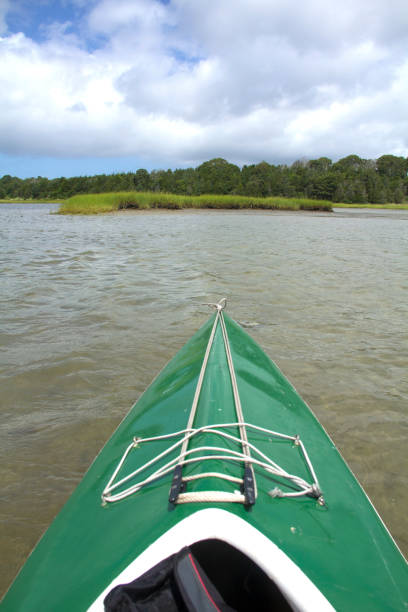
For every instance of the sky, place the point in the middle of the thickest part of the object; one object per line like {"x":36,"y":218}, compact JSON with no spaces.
{"x":101,"y":86}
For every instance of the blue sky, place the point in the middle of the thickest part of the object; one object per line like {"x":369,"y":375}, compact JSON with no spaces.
{"x":33,"y":18}
{"x":100,"y":86}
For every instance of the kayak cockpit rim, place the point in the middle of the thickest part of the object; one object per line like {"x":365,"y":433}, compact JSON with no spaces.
{"x":217,"y":524}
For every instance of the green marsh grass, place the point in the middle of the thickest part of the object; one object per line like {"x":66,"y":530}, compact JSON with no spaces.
{"x":375,"y":206}
{"x":110,"y":202}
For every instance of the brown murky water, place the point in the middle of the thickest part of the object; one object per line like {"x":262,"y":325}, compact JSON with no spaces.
{"x":91,"y":308}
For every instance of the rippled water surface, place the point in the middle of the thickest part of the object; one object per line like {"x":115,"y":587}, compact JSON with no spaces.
{"x":91,"y":308}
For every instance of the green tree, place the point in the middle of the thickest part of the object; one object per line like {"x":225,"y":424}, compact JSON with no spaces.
{"x":218,"y":176}
{"x":392,"y":166}
{"x":257,"y":180}
{"x":323,"y":164}
{"x":359,"y":193}
{"x":162,"y":180}
{"x":323,"y":186}
{"x":349,"y":165}
{"x":142,"y":180}
{"x":339,"y":194}
{"x":10,"y":185}
{"x":398,"y":197}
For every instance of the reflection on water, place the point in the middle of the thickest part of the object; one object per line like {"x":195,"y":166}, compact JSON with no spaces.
{"x":91,"y":308}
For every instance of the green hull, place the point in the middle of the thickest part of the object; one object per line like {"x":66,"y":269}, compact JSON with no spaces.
{"x":342,"y":546}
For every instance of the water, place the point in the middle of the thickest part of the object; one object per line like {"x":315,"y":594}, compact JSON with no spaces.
{"x":91,"y":308}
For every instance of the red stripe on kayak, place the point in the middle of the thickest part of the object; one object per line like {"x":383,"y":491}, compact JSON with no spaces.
{"x":202,"y":583}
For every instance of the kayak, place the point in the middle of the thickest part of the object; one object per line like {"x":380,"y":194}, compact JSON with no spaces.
{"x":220,"y":490}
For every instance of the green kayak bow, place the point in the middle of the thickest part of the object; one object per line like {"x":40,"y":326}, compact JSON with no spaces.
{"x":222,"y":468}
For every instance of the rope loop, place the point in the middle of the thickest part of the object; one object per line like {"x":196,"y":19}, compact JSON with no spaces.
{"x":115,"y":491}
{"x":219,"y":306}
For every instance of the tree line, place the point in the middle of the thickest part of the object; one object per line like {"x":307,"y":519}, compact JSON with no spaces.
{"x":349,"y":180}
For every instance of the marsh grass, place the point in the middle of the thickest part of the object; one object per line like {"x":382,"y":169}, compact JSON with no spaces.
{"x":375,"y":206}
{"x":110,"y":202}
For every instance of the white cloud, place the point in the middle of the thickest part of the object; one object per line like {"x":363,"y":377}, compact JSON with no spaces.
{"x":188,"y":81}
{"x":111,"y":17}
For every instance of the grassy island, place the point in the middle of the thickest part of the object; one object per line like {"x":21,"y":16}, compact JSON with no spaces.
{"x":110,"y":202}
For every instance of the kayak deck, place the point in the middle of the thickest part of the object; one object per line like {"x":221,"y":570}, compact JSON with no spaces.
{"x":341,"y":545}
{"x":197,"y":445}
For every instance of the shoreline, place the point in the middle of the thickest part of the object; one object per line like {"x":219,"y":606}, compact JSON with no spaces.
{"x":32,"y":201}
{"x":200,"y":211}
{"x":372,"y":206}
{"x":180,"y":208}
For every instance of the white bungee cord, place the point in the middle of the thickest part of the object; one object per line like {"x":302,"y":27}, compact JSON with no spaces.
{"x":248,"y":490}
